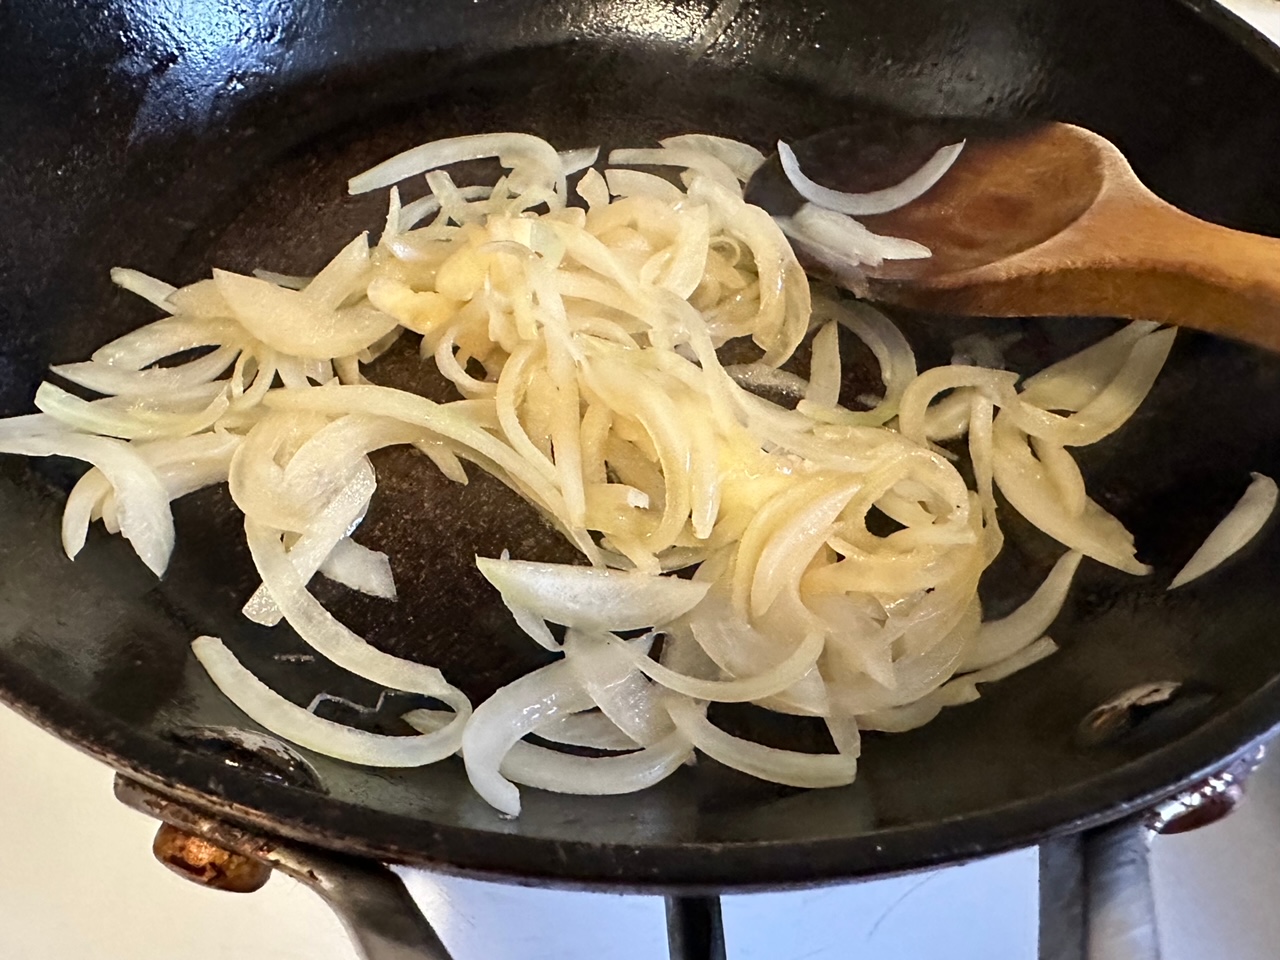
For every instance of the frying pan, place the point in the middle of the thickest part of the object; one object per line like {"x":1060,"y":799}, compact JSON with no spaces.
{"x":173,"y":136}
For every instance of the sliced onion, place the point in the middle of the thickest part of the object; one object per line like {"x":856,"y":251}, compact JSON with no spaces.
{"x":501,"y":721}
{"x":1234,"y":531}
{"x":607,"y":670}
{"x":142,"y":503}
{"x":1000,"y":639}
{"x":318,"y":628}
{"x":360,"y":568}
{"x":509,"y":148}
{"x":137,"y":418}
{"x":295,"y":324}
{"x":783,"y":675}
{"x":149,"y":288}
{"x":587,"y":729}
{"x":877,"y":201}
{"x":1030,"y":491}
{"x":596,"y":776}
{"x":591,"y":598}
{"x":741,"y":158}
{"x":298,"y":725}
{"x":956,"y":692}
{"x":767,"y":763}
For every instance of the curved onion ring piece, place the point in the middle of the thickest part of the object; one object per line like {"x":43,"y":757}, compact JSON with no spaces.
{"x":877,"y":201}
{"x":1234,"y":531}
{"x":591,"y":598}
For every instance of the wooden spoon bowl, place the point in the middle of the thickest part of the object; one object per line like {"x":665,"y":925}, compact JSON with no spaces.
{"x":1046,"y":219}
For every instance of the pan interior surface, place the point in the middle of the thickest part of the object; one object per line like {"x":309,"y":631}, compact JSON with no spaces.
{"x":236,"y":154}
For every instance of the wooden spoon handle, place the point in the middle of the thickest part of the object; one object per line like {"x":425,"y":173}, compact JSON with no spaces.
{"x":1129,"y":255}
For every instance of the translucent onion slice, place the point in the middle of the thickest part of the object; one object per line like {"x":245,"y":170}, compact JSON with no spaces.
{"x":142,"y":503}
{"x":148,"y":417}
{"x":453,"y":421}
{"x":557,"y":772}
{"x":149,"y":288}
{"x":298,"y":725}
{"x":315,"y":546}
{"x":767,"y":763}
{"x":1234,"y":531}
{"x":703,"y":162}
{"x":741,"y":158}
{"x":955,"y":692}
{"x":587,"y":729}
{"x":1029,"y":490}
{"x":824,"y":369}
{"x":876,"y":201}
{"x":510,"y":149}
{"x":999,"y":639}
{"x":156,"y":341}
{"x":606,"y":669}
{"x":107,"y":379}
{"x":500,"y":722}
{"x":295,"y":324}
{"x":356,"y":566}
{"x":331,"y":639}
{"x":589,"y":598}
{"x":773,"y":680}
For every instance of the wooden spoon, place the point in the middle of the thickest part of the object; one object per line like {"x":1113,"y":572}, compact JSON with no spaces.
{"x":1043,"y":219}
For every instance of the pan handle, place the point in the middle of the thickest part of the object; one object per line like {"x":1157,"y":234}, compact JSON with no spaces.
{"x":1096,"y":899}
{"x":380,"y":916}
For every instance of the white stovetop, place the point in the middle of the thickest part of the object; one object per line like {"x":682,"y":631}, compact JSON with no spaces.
{"x":77,"y":882}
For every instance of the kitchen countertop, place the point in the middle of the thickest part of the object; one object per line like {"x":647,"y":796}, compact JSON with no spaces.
{"x":77,"y":880}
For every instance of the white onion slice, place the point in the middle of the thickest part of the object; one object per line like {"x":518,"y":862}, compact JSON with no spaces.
{"x":876,"y":201}
{"x":741,"y":158}
{"x":502,"y":720}
{"x":591,"y":598}
{"x":149,"y":288}
{"x":955,"y":692}
{"x":142,"y":503}
{"x":606,"y":669}
{"x":295,"y":324}
{"x":300,"y":726}
{"x":331,"y":639}
{"x":545,"y":769}
{"x":767,"y":763}
{"x":586,"y":729}
{"x":1234,"y":531}
{"x":509,"y":148}
{"x":775,"y":679}
{"x":356,"y":566}
{"x":108,"y":379}
{"x":1000,"y":639}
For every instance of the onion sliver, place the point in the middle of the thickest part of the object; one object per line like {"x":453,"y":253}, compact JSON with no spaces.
{"x":1237,"y":528}
{"x":999,"y":639}
{"x":142,"y":502}
{"x":296,"y":324}
{"x":509,"y":148}
{"x":590,"y":598}
{"x":767,"y":763}
{"x":502,"y":720}
{"x":557,"y":772}
{"x":606,"y":669}
{"x":774,"y":680}
{"x":587,"y":729}
{"x":331,"y":639}
{"x":360,"y":568}
{"x":877,"y":201}
{"x":296,"y":724}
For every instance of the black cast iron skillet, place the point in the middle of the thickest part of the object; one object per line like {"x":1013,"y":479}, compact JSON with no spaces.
{"x":173,"y":137}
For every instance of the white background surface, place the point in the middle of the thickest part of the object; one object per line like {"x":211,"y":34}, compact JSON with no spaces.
{"x":77,"y":882}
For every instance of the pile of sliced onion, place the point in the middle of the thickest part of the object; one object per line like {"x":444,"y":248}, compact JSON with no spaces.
{"x":578,"y":311}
